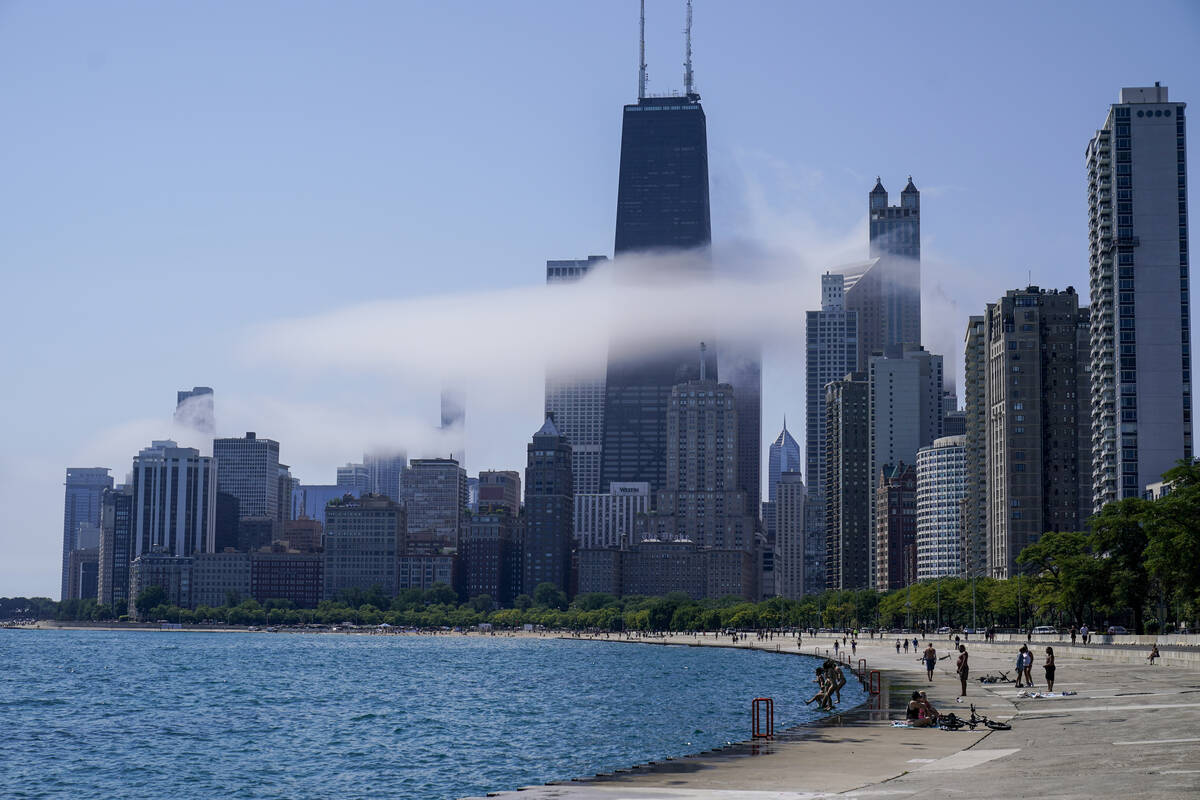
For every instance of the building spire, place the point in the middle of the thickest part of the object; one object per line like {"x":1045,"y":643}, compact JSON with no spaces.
{"x":688,"y":83}
{"x":642,"y":54}
{"x":703,"y":370}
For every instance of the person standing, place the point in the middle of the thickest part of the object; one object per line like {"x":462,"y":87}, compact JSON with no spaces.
{"x":897,"y":647}
{"x":1029,"y":668}
{"x":1083,"y":633}
{"x":1073,"y":632}
{"x":1020,"y":666}
{"x":930,"y":657}
{"x":1049,"y":667}
{"x":905,"y":646}
{"x":962,"y":668}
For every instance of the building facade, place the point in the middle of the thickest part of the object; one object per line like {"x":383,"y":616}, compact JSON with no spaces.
{"x":116,"y":543}
{"x":1036,"y":391}
{"x":1141,"y":366}
{"x":575,"y":395}
{"x":363,"y":541}
{"x":248,"y":469}
{"x":782,"y":456}
{"x":662,"y":207}
{"x":384,"y":468}
{"x":85,"y":487}
{"x":610,"y":519}
{"x":500,"y":489}
{"x":491,"y":557}
{"x":941,"y":490}
{"x":974,"y":511}
{"x":848,"y":483}
{"x":172,"y":573}
{"x":549,"y":510}
{"x":434,"y":493}
{"x":220,"y":579}
{"x":355,"y":479}
{"x":194,"y":409}
{"x":831,"y":353}
{"x":895,"y":522}
{"x":175,"y":498}
{"x":790,"y":554}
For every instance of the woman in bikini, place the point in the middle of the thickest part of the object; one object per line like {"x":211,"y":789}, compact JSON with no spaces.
{"x":1049,"y":667}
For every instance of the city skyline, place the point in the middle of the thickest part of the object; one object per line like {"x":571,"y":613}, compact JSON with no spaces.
{"x":770,"y":218}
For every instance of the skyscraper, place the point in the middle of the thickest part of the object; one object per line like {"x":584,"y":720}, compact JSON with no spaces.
{"x":575,"y":397}
{"x":433,"y":492}
{"x":662,"y":206}
{"x":895,"y":521}
{"x":363,"y":542}
{"x":384,"y":468}
{"x":941,"y":487}
{"x":85,"y":487}
{"x":1037,"y":425}
{"x":116,"y":542}
{"x":782,"y":456}
{"x":248,"y":469}
{"x":847,"y":483}
{"x":885,"y":291}
{"x":831,"y":346}
{"x":194,"y":409}
{"x":905,"y":413}
{"x":500,"y":489}
{"x":974,"y":512}
{"x":174,"y":501}
{"x":790,"y":499}
{"x":356,"y":479}
{"x":1141,"y":370}
{"x":549,"y":510}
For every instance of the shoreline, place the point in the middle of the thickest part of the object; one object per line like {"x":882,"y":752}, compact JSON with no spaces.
{"x":1093,"y":744}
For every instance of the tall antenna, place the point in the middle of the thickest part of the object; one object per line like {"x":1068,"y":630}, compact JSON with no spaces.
{"x":642,"y":55}
{"x":688,"y":87}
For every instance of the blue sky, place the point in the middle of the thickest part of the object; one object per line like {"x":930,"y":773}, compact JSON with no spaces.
{"x":177,"y":175}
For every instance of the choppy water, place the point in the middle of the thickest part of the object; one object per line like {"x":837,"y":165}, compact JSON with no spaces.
{"x":89,"y":714}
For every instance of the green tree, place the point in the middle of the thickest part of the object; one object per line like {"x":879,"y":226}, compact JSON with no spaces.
{"x":149,"y":598}
{"x":441,"y":594}
{"x":1173,"y":528}
{"x":523,"y":602}
{"x":1065,"y":572}
{"x":481,"y":603}
{"x":548,"y":595}
{"x":1119,"y":538}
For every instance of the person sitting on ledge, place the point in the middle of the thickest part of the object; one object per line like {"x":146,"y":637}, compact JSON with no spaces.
{"x":824,"y":693}
{"x":1153,"y":654}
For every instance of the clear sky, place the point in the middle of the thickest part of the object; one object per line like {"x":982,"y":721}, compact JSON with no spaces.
{"x":178,"y":175}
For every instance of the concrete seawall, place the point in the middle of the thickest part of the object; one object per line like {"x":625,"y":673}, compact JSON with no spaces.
{"x":1129,"y":730}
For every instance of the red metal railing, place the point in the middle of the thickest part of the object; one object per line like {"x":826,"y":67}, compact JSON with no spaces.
{"x":762,"y":715}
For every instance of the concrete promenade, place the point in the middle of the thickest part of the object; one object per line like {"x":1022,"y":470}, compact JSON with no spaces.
{"x":1132,"y":731}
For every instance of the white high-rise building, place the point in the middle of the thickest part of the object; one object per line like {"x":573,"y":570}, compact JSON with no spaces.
{"x":575,"y":398}
{"x":610,"y":519}
{"x":356,"y":478}
{"x":1141,"y":370}
{"x":941,"y":487}
{"x":174,"y":500}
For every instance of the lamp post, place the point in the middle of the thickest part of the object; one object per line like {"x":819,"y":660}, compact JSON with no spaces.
{"x":974,"y":622}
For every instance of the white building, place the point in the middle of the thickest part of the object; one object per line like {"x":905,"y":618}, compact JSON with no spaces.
{"x":174,"y":501}
{"x":576,"y":397}
{"x":609,"y":519}
{"x":1141,"y":364}
{"x":941,"y":487}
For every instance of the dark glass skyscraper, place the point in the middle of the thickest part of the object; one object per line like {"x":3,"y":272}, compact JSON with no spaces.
{"x":662,"y":205}
{"x":549,"y":510}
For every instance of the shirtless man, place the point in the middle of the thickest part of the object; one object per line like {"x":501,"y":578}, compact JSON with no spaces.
{"x":824,"y":690}
{"x":834,"y":671}
{"x":930,"y":658}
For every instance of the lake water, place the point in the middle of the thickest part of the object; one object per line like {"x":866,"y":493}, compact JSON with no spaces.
{"x":92,"y":714}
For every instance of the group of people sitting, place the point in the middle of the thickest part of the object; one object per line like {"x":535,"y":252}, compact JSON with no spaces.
{"x":830,"y":680}
{"x":921,"y":713}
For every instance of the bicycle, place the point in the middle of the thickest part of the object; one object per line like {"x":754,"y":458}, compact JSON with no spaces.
{"x":1001,"y":677}
{"x":976,"y":720}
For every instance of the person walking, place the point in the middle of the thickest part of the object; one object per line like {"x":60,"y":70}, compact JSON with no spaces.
{"x":1020,"y":666}
{"x":1083,"y":633}
{"x":1073,"y":633}
{"x":905,"y":646}
{"x":930,"y":657}
{"x":963,"y":671}
{"x":897,"y":647}
{"x":835,"y":647}
{"x":854,"y":647}
{"x":1049,"y":667}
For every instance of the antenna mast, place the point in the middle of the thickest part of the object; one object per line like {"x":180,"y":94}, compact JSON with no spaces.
{"x":688,"y":84}
{"x":642,"y":55}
